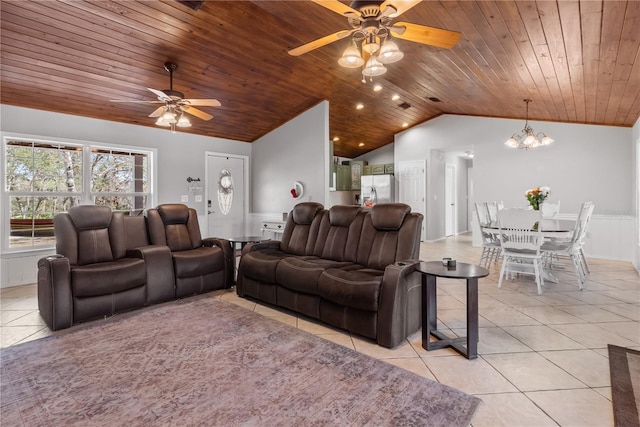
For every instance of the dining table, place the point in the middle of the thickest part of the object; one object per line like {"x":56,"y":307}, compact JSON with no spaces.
{"x":549,"y":228}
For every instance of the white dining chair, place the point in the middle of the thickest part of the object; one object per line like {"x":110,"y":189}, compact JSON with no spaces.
{"x":490,"y":241}
{"x":555,"y":250}
{"x":573,"y":248}
{"x":483,"y":213}
{"x":550,"y":210}
{"x":584,"y":217}
{"x":521,"y":240}
{"x":492,"y":210}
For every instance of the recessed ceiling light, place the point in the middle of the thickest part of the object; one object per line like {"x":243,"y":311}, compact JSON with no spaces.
{"x":360,"y":106}
{"x":395,"y":97}
{"x":405,"y":124}
{"x":377,"y":88}
{"x":361,"y":144}
{"x":336,"y":139}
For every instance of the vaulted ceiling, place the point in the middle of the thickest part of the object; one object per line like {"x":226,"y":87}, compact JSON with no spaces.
{"x":579,"y":61}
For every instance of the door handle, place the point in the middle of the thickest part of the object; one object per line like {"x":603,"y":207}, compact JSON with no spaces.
{"x":210,"y":212}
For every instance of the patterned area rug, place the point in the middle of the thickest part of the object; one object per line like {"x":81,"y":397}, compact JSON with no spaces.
{"x":624,"y":368}
{"x":203,"y":361}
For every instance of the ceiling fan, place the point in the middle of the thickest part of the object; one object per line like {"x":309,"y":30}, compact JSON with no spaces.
{"x":171,"y":113}
{"x":371,"y":24}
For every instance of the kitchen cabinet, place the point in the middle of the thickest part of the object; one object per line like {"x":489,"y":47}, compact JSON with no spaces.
{"x":357,"y":169}
{"x":377,"y":169}
{"x":343,"y":177}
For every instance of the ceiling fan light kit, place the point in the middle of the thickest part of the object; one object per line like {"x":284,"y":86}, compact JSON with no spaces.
{"x":351,"y":58}
{"x":389,"y":53}
{"x":528,"y":138}
{"x":172,"y":113}
{"x":373,"y":68}
{"x":371,"y":26}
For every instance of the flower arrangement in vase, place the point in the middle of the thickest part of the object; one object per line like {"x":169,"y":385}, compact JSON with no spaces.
{"x":537,"y":195}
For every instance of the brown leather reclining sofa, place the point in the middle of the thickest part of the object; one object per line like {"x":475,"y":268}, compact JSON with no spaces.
{"x":348,"y":267}
{"x":108,"y":263}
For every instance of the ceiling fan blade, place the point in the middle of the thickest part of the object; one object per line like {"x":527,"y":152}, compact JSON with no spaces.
{"x":425,"y":35}
{"x":400,"y":6}
{"x":136,"y":101}
{"x":337,"y":7}
{"x":195,"y":112}
{"x":320,"y":42}
{"x":157,"y":112}
{"x":201,"y":102}
{"x":160,"y":94}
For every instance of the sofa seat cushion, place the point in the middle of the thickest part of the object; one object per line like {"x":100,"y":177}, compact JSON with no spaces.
{"x":107,"y":278}
{"x":354,"y":286}
{"x":198,"y":262}
{"x":261,"y":265}
{"x":301,"y":273}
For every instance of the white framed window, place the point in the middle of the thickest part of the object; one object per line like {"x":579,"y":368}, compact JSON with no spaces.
{"x":43,"y":178}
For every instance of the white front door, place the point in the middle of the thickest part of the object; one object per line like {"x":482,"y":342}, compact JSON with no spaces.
{"x":226,"y":202}
{"x":411,"y":187}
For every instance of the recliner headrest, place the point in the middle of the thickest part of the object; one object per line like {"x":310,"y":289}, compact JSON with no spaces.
{"x":342,"y":216}
{"x":303,"y":213}
{"x":173,"y":213}
{"x":389,"y":216}
{"x":90,"y":217}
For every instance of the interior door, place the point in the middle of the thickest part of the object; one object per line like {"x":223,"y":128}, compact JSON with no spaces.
{"x":412,"y":187}
{"x":226,"y":201}
{"x":450,"y":200}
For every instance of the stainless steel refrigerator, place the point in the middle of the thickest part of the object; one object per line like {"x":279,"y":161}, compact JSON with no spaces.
{"x":377,"y":189}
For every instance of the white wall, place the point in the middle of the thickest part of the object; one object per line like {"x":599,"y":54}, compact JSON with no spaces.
{"x":380,"y":156}
{"x":296,"y":151}
{"x":179,"y":156}
{"x":585,"y":163}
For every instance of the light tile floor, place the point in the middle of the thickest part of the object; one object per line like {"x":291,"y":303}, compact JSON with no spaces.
{"x":543,"y":358}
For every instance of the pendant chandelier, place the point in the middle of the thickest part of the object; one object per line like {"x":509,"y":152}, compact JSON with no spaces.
{"x":528,"y":138}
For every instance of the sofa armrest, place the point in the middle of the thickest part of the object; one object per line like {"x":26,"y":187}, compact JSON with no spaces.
{"x":55,"y":300}
{"x":399,"y":312}
{"x":229,"y":257}
{"x":258,"y":246}
{"x":159,"y":266}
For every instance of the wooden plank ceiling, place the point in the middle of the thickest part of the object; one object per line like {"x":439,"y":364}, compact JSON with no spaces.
{"x":579,"y":61}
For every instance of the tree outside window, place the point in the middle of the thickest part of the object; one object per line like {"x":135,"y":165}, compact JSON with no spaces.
{"x":44,"y":178}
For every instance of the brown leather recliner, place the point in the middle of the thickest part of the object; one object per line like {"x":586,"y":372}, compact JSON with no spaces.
{"x":200,"y":265}
{"x":97,"y":271}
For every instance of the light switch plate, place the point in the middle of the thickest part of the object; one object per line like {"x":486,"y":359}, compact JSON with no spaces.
{"x":198,"y":198}
{"x":184,"y":198}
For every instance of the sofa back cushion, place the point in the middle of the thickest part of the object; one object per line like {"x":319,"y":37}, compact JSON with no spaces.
{"x":136,"y":234}
{"x":339,"y":233}
{"x":390,"y":233}
{"x":90,"y":234}
{"x":174,"y":225}
{"x":301,"y":230}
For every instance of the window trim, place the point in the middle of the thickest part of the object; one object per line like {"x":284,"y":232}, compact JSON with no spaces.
{"x":86,"y":196}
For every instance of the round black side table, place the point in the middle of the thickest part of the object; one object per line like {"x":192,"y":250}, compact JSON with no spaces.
{"x":471,"y":272}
